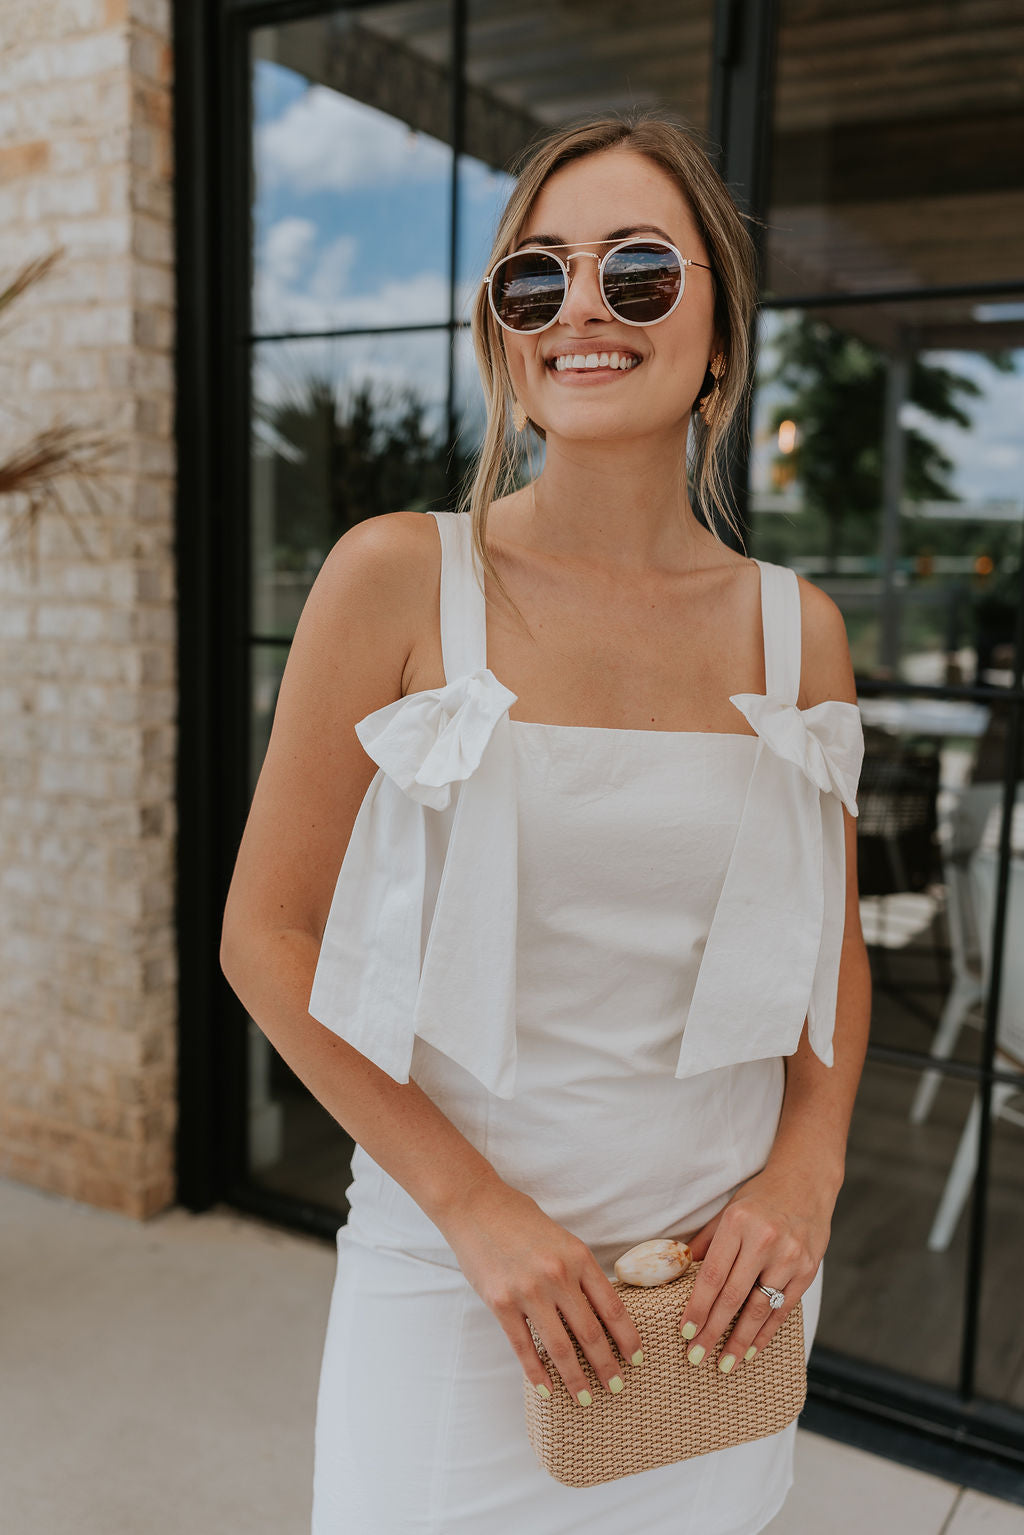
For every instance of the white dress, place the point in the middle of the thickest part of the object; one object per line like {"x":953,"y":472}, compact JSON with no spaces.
{"x":620,"y":855}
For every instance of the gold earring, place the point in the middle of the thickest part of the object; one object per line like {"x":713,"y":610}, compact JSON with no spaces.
{"x":706,"y":395}
{"x":519,"y":417}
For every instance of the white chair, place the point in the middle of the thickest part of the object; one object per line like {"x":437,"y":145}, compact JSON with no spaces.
{"x":1009,"y":1053}
{"x":960,"y":832}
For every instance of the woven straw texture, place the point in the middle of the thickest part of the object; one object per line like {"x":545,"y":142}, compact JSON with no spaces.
{"x":668,"y":1408}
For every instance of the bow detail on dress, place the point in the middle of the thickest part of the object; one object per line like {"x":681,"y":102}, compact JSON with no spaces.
{"x":427,"y":741}
{"x":826,"y":741}
{"x":772,"y":953}
{"x":421,"y":935}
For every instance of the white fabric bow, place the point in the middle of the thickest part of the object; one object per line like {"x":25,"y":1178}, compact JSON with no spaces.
{"x":399,"y":959}
{"x":428,"y":741}
{"x":773,"y":950}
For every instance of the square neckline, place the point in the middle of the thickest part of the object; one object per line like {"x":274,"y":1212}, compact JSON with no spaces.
{"x":631,"y":730}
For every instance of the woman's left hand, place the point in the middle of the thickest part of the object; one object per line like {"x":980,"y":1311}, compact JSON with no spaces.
{"x":773,"y":1231}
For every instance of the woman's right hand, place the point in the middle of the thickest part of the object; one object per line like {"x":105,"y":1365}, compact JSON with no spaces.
{"x":523,"y":1264}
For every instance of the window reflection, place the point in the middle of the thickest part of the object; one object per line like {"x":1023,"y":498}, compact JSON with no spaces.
{"x":892,"y":165}
{"x":887,"y":465}
{"x":342,"y":430}
{"x":352,"y":179}
{"x":886,"y":1297}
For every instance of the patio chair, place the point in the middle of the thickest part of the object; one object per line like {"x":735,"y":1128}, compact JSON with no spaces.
{"x":959,"y":834}
{"x":1009,"y":1053}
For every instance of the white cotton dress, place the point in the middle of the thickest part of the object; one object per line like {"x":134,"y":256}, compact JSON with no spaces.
{"x":622,"y":843}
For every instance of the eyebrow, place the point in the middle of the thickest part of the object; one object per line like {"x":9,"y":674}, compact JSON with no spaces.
{"x":616,"y":234}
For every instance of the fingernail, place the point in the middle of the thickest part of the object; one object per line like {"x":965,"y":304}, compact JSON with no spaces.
{"x":726,"y":1363}
{"x":638,"y":1357}
{"x":689,"y":1331}
{"x":584,"y":1398}
{"x":696,"y":1353}
{"x":615,"y":1384}
{"x":541,"y":1389}
{"x":751,"y":1351}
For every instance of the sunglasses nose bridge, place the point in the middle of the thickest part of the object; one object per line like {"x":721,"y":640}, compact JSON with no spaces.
{"x":571,"y":286}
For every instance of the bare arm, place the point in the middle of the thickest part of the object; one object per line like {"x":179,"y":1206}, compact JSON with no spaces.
{"x":351,"y":654}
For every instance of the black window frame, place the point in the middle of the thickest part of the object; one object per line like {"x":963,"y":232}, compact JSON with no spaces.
{"x":953,"y":1433}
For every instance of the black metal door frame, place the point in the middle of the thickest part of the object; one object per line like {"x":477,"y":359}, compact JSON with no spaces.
{"x":951,"y":1433}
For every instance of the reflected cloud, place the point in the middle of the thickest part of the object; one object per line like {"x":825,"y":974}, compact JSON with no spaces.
{"x":325,"y":142}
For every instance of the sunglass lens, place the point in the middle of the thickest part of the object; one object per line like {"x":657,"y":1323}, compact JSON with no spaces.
{"x":642,"y":282}
{"x":527,"y":290}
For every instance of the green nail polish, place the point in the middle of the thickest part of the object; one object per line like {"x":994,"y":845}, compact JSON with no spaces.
{"x":751,"y":1351}
{"x":615,"y":1384}
{"x":638,"y":1357}
{"x":584,"y":1398}
{"x":726,"y":1363}
{"x":690,"y":1330}
{"x":541,"y":1389}
{"x":696,"y":1353}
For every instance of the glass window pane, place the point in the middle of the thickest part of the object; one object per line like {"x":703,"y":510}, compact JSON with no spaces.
{"x":1000,"y":1355}
{"x":342,"y":429}
{"x":530,"y":67}
{"x":897,"y":146}
{"x":886,"y":1299}
{"x":888,"y":465}
{"x":294,"y":1146}
{"x":352,"y":173}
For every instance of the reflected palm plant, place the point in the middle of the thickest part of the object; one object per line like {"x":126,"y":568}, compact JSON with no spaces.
{"x":338,"y":458}
{"x":836,"y":384}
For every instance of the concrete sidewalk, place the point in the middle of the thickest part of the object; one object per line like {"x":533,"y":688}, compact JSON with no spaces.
{"x":122,"y":1345}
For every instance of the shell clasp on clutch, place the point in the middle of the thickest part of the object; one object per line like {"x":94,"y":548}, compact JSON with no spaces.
{"x":653,"y":1263}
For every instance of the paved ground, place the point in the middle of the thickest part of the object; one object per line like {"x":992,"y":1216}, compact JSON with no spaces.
{"x":160,"y":1379}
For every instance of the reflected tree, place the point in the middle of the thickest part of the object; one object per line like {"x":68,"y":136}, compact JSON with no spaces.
{"x":837,"y":385}
{"x":338,"y":458}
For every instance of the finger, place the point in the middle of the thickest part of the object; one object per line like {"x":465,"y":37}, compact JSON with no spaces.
{"x":758,"y":1322}
{"x":556,"y":1340}
{"x":707,"y":1287}
{"x":732,"y":1297}
{"x":793,"y":1291}
{"x":518,"y":1333}
{"x":586,"y":1326}
{"x":611,"y":1309}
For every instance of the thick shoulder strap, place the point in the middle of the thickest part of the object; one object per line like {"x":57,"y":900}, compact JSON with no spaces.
{"x":463,"y":605}
{"x":780,"y":620}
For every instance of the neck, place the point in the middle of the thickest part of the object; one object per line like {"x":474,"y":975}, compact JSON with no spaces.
{"x":616,"y":504}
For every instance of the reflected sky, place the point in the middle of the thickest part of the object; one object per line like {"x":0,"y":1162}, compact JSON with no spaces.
{"x":352,"y":213}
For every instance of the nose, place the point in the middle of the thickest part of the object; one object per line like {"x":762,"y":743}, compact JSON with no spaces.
{"x":583,"y":301}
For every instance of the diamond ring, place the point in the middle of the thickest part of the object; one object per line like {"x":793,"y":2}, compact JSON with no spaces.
{"x":775,"y":1297}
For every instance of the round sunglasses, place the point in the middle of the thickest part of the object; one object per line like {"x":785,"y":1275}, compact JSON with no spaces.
{"x":641,"y":282}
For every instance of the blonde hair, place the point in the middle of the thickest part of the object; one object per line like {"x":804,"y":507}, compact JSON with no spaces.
{"x":678,"y":149}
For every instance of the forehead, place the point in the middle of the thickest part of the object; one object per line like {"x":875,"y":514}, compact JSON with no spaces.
{"x":615,"y":188}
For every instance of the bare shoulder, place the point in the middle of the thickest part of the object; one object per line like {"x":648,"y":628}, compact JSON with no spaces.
{"x":390,"y":558}
{"x":826,"y":669}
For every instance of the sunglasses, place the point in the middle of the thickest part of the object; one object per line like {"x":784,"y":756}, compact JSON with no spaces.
{"x":641,"y":282}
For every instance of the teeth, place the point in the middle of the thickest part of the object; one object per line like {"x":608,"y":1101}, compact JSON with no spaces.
{"x":623,"y":361}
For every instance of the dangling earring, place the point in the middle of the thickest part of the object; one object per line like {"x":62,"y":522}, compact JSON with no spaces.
{"x":519,"y":416}
{"x":707,"y":402}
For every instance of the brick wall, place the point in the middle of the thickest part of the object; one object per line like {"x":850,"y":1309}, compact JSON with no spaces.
{"x":87,"y":660}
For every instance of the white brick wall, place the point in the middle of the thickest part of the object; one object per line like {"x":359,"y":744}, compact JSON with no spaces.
{"x":88,"y":695}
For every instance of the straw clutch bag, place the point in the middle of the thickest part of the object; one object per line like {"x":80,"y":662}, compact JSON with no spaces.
{"x":668,"y":1409}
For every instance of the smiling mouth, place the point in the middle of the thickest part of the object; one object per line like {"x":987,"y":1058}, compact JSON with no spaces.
{"x":581,"y":362}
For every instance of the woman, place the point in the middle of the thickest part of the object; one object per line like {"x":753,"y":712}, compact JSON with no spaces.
{"x":592,"y":970}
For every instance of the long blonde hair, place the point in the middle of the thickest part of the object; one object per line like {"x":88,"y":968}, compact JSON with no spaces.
{"x":679,"y":150}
